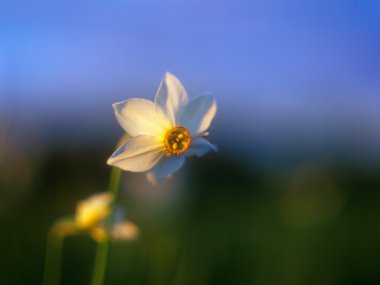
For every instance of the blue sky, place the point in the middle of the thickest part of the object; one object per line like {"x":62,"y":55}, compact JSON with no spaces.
{"x":284,"y":71}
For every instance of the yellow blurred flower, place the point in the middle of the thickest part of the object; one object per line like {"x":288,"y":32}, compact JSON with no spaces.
{"x":93,"y":210}
{"x":91,"y":214}
{"x":123,"y":231}
{"x":164,"y":132}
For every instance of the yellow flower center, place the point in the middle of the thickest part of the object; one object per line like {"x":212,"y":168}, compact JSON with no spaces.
{"x":177,"y":140}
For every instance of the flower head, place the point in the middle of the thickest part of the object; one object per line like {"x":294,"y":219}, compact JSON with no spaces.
{"x":90,"y":217}
{"x":121,"y":231}
{"x":164,"y":132}
{"x":93,"y":210}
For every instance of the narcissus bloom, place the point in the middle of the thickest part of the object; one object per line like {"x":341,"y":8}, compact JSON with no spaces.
{"x":120,"y":231}
{"x":93,"y":210}
{"x":91,"y":214}
{"x":164,"y":132}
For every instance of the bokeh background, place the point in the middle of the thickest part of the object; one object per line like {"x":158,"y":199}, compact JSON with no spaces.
{"x":293,"y":195}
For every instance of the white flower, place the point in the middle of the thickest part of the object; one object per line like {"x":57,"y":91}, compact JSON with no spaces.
{"x":163,"y":132}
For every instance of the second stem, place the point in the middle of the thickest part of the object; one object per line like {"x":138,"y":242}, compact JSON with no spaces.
{"x":102,"y":250}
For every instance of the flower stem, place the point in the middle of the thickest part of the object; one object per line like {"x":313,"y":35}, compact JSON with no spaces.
{"x":103,"y":246}
{"x":53,"y":260}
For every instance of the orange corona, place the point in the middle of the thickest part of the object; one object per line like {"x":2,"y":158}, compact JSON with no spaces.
{"x":177,"y":140}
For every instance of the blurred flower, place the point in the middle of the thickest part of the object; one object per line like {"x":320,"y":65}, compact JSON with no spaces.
{"x":91,"y":214}
{"x":123,"y":231}
{"x":91,"y":211}
{"x":163,"y":132}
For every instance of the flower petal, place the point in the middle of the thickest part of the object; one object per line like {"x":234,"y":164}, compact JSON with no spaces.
{"x":165,"y":167}
{"x":171,"y":96}
{"x":198,"y":114}
{"x":138,"y":154}
{"x":141,"y":117}
{"x":200,"y":147}
{"x":91,"y":211}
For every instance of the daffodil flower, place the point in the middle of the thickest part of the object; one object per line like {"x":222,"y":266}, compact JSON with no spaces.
{"x":120,"y":231}
{"x":91,"y":214}
{"x":91,"y":211}
{"x":164,"y":132}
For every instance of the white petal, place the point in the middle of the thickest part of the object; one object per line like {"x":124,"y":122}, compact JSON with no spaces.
{"x":138,"y":154}
{"x":141,"y":117}
{"x":171,"y":96}
{"x":165,"y":167}
{"x":200,"y":147}
{"x":198,"y":114}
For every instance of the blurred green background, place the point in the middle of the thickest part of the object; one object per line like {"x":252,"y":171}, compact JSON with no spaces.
{"x":292,"y":196}
{"x":220,"y":221}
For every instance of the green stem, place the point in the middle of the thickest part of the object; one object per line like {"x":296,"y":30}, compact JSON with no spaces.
{"x":102,"y":250}
{"x":53,"y":259}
